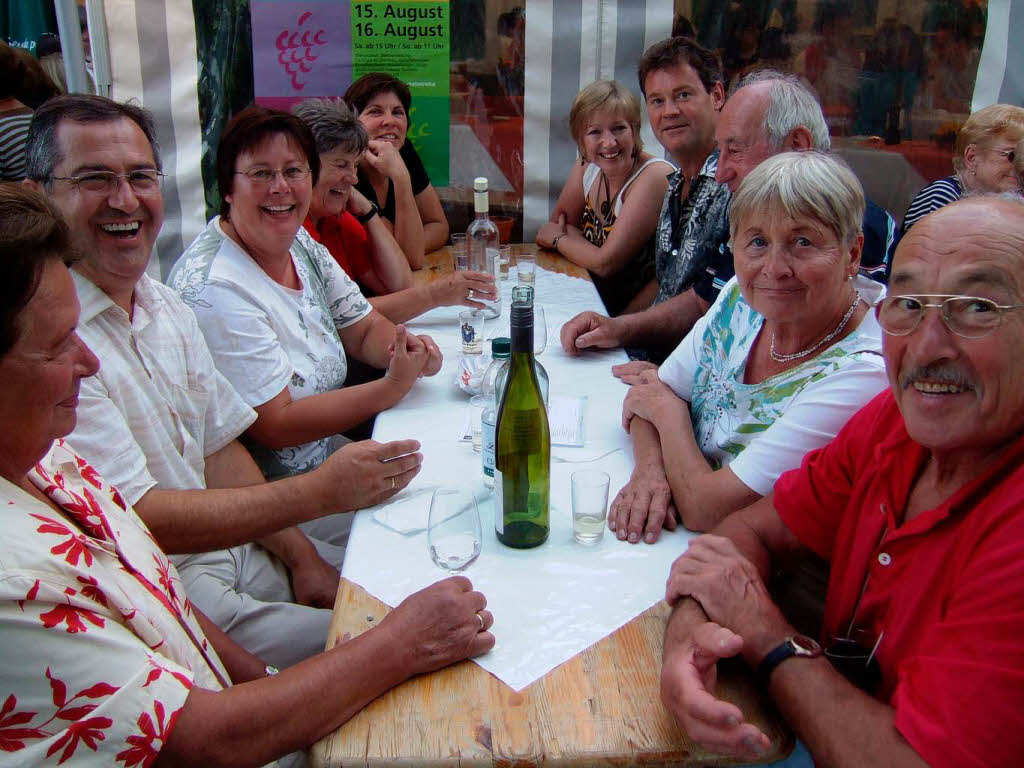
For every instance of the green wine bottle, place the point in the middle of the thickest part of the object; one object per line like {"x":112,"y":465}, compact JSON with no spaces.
{"x":522,"y":446}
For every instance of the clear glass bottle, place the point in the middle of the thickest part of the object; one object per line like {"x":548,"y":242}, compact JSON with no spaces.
{"x":482,"y":237}
{"x":522,"y":445}
{"x":500,"y":351}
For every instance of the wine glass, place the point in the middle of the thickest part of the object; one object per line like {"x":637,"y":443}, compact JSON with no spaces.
{"x":540,"y":330}
{"x":453,"y":528}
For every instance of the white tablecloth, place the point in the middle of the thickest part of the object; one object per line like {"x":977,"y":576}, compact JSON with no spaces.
{"x":554,"y":601}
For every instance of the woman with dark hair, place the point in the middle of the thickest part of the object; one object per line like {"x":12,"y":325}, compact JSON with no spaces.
{"x":392,"y":175}
{"x":278,"y":313}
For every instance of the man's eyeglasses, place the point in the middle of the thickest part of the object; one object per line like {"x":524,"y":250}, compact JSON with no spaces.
{"x":969,"y":316}
{"x":144,"y":182}
{"x":293,"y":174}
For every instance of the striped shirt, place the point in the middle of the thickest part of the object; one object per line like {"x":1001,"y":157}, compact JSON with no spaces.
{"x":13,"y":133}
{"x":934,"y":196}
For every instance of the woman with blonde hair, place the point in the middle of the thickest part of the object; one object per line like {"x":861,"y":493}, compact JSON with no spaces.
{"x":607,"y":213}
{"x":982,"y":161}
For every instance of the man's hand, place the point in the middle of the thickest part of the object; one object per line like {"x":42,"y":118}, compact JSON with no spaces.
{"x":654,"y":402}
{"x":409,"y":357}
{"x":636,"y":372}
{"x":589,"y":329}
{"x":442,"y":624}
{"x":688,"y":679}
{"x":728,"y":587}
{"x":315,"y":583}
{"x":643,"y":506}
{"x":362,"y":474}
{"x":382,"y":156}
{"x":455,"y":289}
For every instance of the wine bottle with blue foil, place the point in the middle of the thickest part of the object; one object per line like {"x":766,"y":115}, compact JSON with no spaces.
{"x":522,"y":446}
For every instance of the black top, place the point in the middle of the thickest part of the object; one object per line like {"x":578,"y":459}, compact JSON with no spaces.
{"x":417,"y":174}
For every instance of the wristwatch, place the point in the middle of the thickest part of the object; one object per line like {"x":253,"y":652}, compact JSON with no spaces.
{"x":795,"y":645}
{"x":555,"y":239}
{"x":365,"y":217}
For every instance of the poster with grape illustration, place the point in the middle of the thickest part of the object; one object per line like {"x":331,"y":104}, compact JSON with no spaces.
{"x":306,"y":49}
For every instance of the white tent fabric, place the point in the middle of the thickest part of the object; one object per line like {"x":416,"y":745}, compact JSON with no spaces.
{"x":153,"y":60}
{"x":595,"y":40}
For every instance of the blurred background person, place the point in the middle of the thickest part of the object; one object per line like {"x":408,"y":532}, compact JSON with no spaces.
{"x":982,"y":161}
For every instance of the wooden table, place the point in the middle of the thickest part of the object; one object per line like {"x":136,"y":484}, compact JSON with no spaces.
{"x":601,"y":707}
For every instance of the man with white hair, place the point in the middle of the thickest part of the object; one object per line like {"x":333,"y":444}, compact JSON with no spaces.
{"x":917,"y":505}
{"x":768,"y":112}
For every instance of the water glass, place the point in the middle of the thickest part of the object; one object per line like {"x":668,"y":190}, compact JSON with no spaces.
{"x":460,"y":252}
{"x":502,"y":262}
{"x":527,"y":268}
{"x":540,"y":330}
{"x":471,"y":331}
{"x":476,"y":411}
{"x":453,"y":528}
{"x":589,"y":505}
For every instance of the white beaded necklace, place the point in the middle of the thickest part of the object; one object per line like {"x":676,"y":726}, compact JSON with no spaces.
{"x":804,"y":352}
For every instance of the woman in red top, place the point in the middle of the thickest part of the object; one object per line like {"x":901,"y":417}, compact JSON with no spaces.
{"x":351,"y":228}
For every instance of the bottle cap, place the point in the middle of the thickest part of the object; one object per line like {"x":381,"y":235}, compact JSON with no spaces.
{"x":501,"y":347}
{"x":480,"y":184}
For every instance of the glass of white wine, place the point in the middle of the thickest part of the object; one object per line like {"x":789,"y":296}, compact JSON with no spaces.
{"x":453,"y":528}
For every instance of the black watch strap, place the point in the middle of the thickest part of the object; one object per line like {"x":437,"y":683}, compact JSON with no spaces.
{"x":797,"y":645}
{"x":365,"y":217}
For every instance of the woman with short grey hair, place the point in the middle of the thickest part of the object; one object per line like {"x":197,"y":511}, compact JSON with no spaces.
{"x":349,"y":225}
{"x":786,"y":354}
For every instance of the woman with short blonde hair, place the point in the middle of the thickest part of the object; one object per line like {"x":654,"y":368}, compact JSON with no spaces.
{"x":786,"y":354}
{"x":982,"y":161}
{"x":607,"y":213}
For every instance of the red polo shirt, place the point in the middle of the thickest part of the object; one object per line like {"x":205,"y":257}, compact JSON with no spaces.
{"x":347,"y":240}
{"x":946,"y":589}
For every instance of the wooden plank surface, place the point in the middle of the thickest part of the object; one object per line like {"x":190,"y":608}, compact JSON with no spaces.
{"x":600,"y":708}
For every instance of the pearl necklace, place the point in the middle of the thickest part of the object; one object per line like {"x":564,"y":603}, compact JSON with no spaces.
{"x":804,"y":352}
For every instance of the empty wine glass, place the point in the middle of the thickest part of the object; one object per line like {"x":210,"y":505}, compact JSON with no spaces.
{"x":540,"y":330}
{"x":453,"y":528}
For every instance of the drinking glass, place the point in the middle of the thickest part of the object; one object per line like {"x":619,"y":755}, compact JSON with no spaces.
{"x":527,"y":268}
{"x":460,"y":252}
{"x":502,"y":262}
{"x":453,"y":528}
{"x":589,"y":505}
{"x":476,"y":405}
{"x":540,"y":330}
{"x":471,"y":331}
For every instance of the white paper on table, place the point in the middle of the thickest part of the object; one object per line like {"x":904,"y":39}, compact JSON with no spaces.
{"x":565,"y":420}
{"x":407,"y":511}
{"x":551,"y":602}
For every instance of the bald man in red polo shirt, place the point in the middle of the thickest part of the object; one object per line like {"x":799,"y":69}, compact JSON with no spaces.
{"x":919,"y":505}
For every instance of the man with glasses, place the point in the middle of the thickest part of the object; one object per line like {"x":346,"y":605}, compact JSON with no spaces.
{"x":160,"y":423}
{"x":917,"y":503}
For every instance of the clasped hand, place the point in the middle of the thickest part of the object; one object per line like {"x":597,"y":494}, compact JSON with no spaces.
{"x":383,"y":157}
{"x":731,"y":592}
{"x":653,"y":401}
{"x":411,"y":356}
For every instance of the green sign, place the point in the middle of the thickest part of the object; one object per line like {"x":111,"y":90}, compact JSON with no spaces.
{"x":410,"y":41}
